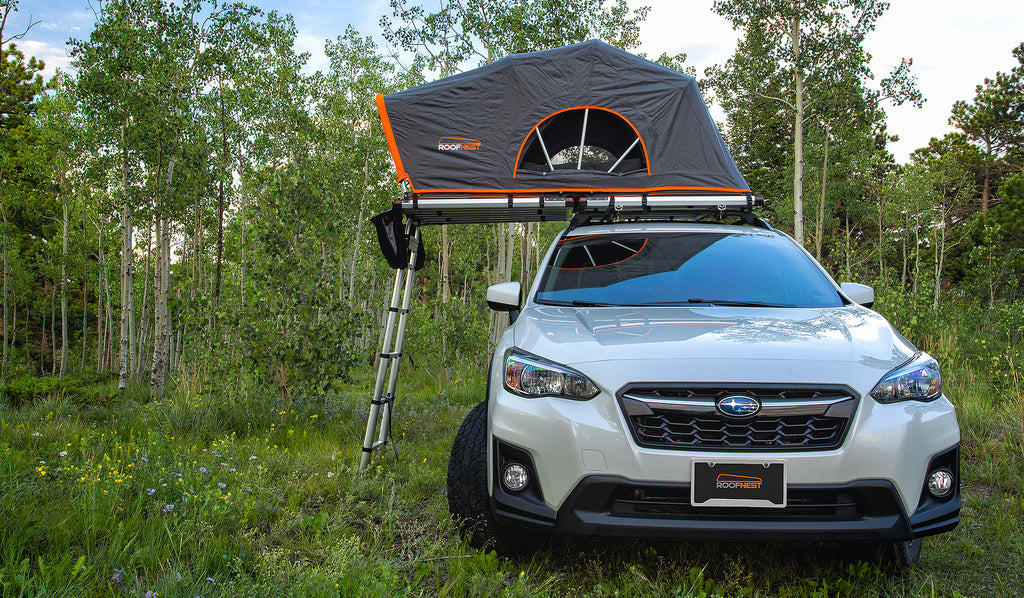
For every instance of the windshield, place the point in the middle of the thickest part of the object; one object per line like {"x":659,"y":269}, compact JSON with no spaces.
{"x":692,"y":268}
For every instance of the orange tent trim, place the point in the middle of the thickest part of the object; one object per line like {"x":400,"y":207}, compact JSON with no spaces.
{"x":392,"y":144}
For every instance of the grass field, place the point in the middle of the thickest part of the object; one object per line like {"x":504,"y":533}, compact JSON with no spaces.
{"x":208,"y":494}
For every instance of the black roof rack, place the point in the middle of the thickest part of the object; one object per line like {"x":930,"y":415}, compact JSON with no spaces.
{"x":580,"y":207}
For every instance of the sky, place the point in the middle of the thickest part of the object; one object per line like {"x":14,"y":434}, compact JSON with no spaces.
{"x":954,"y":44}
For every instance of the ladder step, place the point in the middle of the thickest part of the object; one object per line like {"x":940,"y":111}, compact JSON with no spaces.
{"x":374,"y":446}
{"x":385,"y":400}
{"x":399,"y":310}
{"x":391,"y":355}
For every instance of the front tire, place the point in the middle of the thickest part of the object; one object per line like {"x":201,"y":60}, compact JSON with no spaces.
{"x":468,"y":499}
{"x":900,"y":557}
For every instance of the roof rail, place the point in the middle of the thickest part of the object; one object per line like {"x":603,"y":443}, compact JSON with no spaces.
{"x":741,"y":216}
{"x":563,"y":206}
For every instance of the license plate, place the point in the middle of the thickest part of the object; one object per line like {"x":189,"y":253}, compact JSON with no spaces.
{"x":738,"y":484}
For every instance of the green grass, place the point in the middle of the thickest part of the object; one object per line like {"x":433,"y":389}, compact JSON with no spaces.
{"x":211,"y":494}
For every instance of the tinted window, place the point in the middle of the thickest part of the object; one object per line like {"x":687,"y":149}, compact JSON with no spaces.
{"x":684,"y":268}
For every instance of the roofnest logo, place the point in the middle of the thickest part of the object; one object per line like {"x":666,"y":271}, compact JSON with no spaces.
{"x":457,"y":144}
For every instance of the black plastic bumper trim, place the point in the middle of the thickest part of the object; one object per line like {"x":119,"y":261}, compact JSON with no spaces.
{"x":588,"y":512}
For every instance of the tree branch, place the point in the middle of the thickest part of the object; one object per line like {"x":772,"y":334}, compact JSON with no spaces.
{"x":777,"y":99}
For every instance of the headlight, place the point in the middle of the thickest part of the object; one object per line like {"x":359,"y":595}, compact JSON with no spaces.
{"x":530,"y":376}
{"x":917,"y":380}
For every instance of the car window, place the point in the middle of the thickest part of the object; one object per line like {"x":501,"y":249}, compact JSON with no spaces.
{"x":684,"y":268}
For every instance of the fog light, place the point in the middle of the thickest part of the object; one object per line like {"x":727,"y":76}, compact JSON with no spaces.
{"x":515,"y":477}
{"x":940,"y":483}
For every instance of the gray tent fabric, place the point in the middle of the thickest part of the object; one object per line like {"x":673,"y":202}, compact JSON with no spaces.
{"x":471,"y":134}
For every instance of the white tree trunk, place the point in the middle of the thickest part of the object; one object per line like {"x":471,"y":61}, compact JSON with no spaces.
{"x":940,"y":254}
{"x":99,"y":302}
{"x":156,"y":378}
{"x":509,"y":252}
{"x":108,"y":349}
{"x":127,"y":283}
{"x":64,"y":287}
{"x":161,"y":333}
{"x":819,"y":229}
{"x":446,"y":266}
{"x":798,"y":137}
{"x":3,"y":364}
{"x":917,"y":255}
{"x":53,"y":331}
{"x":241,"y":285}
{"x":144,"y":325}
{"x":354,"y":261}
{"x":125,"y":365}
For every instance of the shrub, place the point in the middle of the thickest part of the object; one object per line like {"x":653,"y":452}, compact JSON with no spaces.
{"x":28,"y":389}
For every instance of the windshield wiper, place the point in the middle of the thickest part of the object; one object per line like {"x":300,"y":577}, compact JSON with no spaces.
{"x":722,"y":302}
{"x":577,"y":303}
{"x":729,"y":303}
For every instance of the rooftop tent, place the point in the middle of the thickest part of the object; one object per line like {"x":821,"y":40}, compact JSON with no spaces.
{"x":582,"y":118}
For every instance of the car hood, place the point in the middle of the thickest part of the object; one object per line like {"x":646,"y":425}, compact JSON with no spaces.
{"x":728,"y":340}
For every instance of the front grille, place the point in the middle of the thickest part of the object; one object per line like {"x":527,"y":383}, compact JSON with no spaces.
{"x":674,"y":502}
{"x":791,"y":418}
{"x":787,"y":432}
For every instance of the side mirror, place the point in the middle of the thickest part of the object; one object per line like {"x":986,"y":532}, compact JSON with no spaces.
{"x":505,"y":296}
{"x":860,"y":294}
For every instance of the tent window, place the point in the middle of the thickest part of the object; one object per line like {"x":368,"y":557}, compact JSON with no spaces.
{"x":591,"y":139}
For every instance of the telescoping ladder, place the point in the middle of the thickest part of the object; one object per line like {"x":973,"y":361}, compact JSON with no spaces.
{"x":390,"y":357}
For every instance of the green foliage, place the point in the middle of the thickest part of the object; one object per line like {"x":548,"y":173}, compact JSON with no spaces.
{"x":800,"y":64}
{"x":21,"y":82}
{"x":485,"y":30}
{"x":28,"y":389}
{"x":994,"y":123}
{"x":999,"y":258}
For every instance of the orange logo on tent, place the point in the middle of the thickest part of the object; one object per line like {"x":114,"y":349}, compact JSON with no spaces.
{"x":454,"y":144}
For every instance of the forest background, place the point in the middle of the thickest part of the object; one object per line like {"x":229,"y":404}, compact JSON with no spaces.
{"x":192,"y":200}
{"x":189,"y":210}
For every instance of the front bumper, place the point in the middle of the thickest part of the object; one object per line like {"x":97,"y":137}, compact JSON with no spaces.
{"x":590,"y":477}
{"x":600,"y":505}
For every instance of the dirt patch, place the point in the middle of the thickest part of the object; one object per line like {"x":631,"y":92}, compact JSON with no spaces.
{"x":981,"y":491}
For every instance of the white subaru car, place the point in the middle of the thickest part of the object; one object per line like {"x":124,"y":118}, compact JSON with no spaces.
{"x":701,"y":380}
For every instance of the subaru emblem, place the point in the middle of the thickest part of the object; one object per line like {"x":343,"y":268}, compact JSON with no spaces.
{"x":738,"y":406}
